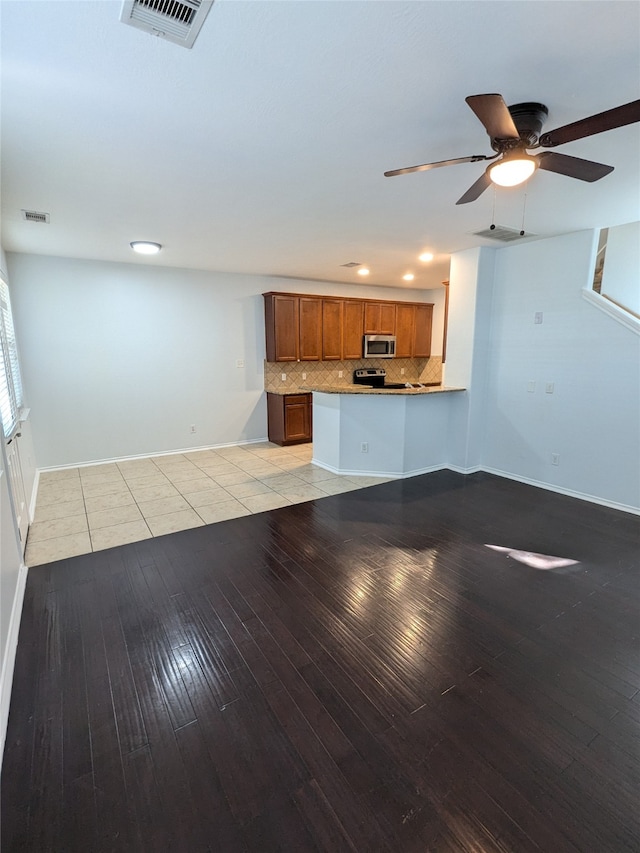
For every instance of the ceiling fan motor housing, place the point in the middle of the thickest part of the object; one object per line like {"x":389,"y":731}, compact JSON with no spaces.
{"x":528,"y":118}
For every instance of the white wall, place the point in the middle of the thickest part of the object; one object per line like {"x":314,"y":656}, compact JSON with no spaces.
{"x":592,"y":419}
{"x":621,"y":273}
{"x":120,"y":359}
{"x":12,"y":580}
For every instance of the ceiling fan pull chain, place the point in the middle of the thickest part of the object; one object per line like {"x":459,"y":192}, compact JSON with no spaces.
{"x":493,"y":212}
{"x":524,"y":207}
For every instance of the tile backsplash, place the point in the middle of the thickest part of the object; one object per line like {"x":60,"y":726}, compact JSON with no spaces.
{"x":326,"y":372}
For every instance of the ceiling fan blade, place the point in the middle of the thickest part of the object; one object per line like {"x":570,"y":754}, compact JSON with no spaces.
{"x":494,"y":115}
{"x":475,"y":158}
{"x":574,"y":167}
{"x":608,"y":120}
{"x":476,"y":190}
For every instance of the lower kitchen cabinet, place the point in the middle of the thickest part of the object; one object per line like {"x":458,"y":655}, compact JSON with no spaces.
{"x":289,"y":418}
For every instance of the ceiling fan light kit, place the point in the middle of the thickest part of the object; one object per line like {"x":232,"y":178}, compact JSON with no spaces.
{"x":513,"y":129}
{"x":512,"y":169}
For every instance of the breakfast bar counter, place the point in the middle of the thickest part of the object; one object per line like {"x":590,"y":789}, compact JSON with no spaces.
{"x":395,"y":432}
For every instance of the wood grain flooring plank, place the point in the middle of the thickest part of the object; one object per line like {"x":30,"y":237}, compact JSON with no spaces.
{"x":355,"y":673}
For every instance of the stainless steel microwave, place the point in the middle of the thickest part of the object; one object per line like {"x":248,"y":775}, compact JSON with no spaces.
{"x":379,"y":346}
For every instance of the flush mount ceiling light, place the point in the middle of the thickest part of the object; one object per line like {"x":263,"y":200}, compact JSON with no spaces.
{"x":144,"y":247}
{"x":363,"y":271}
{"x":408,"y":276}
{"x":512,"y":169}
{"x":426,"y":257}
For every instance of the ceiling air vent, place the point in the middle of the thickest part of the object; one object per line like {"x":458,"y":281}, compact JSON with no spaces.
{"x":178,"y":21}
{"x":351,"y":264}
{"x":502,"y":233}
{"x":35,"y":216}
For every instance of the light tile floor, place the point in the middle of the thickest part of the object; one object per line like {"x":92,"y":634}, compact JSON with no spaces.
{"x":79,"y":510}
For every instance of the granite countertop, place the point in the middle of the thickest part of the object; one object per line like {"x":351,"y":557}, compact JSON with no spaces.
{"x":385,"y":392}
{"x":362,"y":389}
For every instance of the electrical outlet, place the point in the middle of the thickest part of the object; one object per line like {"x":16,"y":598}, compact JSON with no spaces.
{"x":364,"y":447}
{"x":555,"y":458}
{"x":537,"y":317}
{"x":283,"y":376}
{"x":304,"y":375}
{"x":340,"y":374}
{"x":549,"y":388}
{"x":240,"y":362}
{"x":193,"y":427}
{"x":531,"y":386}
{"x":402,"y":371}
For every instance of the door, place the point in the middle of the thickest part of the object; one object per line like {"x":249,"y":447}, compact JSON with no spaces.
{"x":422,"y":336}
{"x":16,"y":487}
{"x":310,"y":346}
{"x":405,"y":321}
{"x":332,"y":329}
{"x":352,"y":330}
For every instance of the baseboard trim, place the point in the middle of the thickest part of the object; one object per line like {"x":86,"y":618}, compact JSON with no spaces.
{"x":117,"y":459}
{"x":392,"y":475}
{"x":570,"y":493}
{"x":8,"y":662}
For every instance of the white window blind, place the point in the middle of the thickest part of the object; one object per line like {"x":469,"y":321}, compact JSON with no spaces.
{"x":10,"y":383}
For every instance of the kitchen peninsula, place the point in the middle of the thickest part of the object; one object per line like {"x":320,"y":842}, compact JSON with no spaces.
{"x":381,"y":432}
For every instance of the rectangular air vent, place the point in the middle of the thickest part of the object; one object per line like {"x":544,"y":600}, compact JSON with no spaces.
{"x":502,"y":233}
{"x":178,"y":21}
{"x":35,"y":216}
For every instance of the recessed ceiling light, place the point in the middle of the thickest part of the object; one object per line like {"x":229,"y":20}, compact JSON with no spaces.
{"x":363,"y":271}
{"x":408,"y":277}
{"x":426,"y":256}
{"x":143,"y":247}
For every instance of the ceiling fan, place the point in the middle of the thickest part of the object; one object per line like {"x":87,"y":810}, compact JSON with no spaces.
{"x":513,"y":130}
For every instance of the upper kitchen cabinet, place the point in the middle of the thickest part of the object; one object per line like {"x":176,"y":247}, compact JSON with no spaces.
{"x":422,"y":331}
{"x":332,"y":323}
{"x":310,"y":334}
{"x":293,"y":327}
{"x":281,"y":313}
{"x":352,"y":326}
{"x":379,"y":318}
{"x":413,"y":330}
{"x":330,"y":328}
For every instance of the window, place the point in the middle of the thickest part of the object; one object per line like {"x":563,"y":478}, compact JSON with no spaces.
{"x":10,"y":383}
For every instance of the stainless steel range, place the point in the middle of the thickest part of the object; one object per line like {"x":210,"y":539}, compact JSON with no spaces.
{"x":375,"y":377}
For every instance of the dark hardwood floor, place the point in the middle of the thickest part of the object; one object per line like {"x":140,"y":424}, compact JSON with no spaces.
{"x":358,"y":673}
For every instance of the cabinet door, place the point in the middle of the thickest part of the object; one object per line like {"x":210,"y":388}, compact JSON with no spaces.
{"x":379,"y":318}
{"x":297,"y":417}
{"x":352,"y":329}
{"x":310,"y":344}
{"x":332,"y":329}
{"x":405,"y":325}
{"x":282,"y":328}
{"x":422,"y":334}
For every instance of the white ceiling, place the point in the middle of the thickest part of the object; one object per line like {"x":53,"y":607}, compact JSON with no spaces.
{"x":262,"y":149}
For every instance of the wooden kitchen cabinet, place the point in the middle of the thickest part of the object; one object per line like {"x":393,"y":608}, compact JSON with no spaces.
{"x":422,"y":331}
{"x":332,"y":324}
{"x":379,"y":318}
{"x":293,"y":327}
{"x":289,"y":418}
{"x":413,"y":330}
{"x":282,"y":324}
{"x":352,"y":329}
{"x":310,"y":329}
{"x":330,"y":328}
{"x":405,"y":329}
